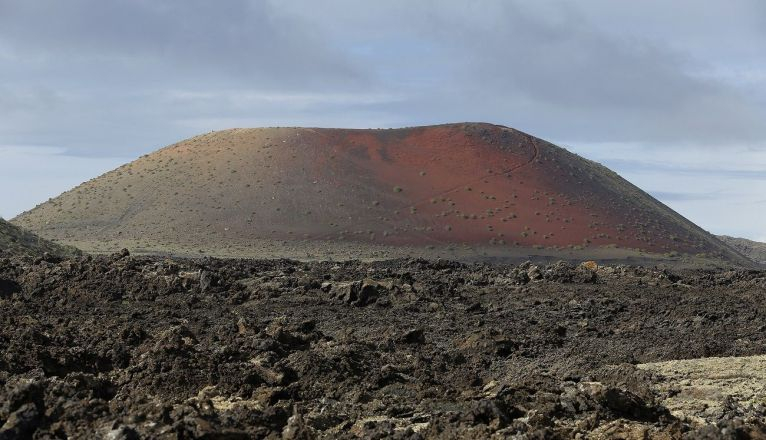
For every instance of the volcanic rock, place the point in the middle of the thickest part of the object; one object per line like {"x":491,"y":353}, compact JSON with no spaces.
{"x":561,"y":357}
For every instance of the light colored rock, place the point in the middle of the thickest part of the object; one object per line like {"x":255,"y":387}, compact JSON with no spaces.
{"x":697,"y":389}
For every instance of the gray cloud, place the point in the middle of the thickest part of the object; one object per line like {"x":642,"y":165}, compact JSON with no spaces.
{"x":124,"y":77}
{"x":136,"y":41}
{"x":668,"y":196}
{"x":571,"y":81}
{"x":95,"y":76}
{"x":681,"y":169}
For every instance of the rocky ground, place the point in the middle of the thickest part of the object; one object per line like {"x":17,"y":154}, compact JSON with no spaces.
{"x":124,"y":347}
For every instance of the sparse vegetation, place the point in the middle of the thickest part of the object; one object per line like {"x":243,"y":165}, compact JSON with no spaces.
{"x":219,"y":178}
{"x":16,"y":241}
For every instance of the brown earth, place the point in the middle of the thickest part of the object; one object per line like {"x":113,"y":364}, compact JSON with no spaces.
{"x":459,"y":191}
{"x":125,"y":347}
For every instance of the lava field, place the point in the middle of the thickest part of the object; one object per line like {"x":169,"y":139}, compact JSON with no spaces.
{"x":126,"y":347}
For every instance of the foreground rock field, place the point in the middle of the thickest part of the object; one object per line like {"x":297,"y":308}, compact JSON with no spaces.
{"x":123,"y":347}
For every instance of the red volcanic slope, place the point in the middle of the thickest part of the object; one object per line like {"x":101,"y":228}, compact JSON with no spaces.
{"x":474,"y":184}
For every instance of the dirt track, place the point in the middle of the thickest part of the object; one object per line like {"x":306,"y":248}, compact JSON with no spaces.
{"x":123,"y":347}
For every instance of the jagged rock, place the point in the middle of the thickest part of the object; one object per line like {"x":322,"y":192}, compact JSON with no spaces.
{"x":21,"y":423}
{"x":414,"y":336}
{"x":122,"y":433}
{"x":359,"y":293}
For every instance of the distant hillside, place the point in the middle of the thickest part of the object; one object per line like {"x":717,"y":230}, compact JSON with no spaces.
{"x":754,"y":250}
{"x":16,"y":241}
{"x":456,"y":190}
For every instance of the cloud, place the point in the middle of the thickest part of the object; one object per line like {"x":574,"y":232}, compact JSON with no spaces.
{"x":581,"y":84}
{"x":670,"y":196}
{"x":719,"y":189}
{"x":556,"y":69}
{"x":236,"y":41}
{"x":676,"y":169}
{"x":32,"y":175}
{"x":94,"y":76}
{"x":562,"y":70}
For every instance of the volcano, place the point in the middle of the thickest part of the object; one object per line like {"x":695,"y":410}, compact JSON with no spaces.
{"x":456,"y":190}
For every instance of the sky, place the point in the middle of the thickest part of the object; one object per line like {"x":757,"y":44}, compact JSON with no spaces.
{"x":671,"y":95}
